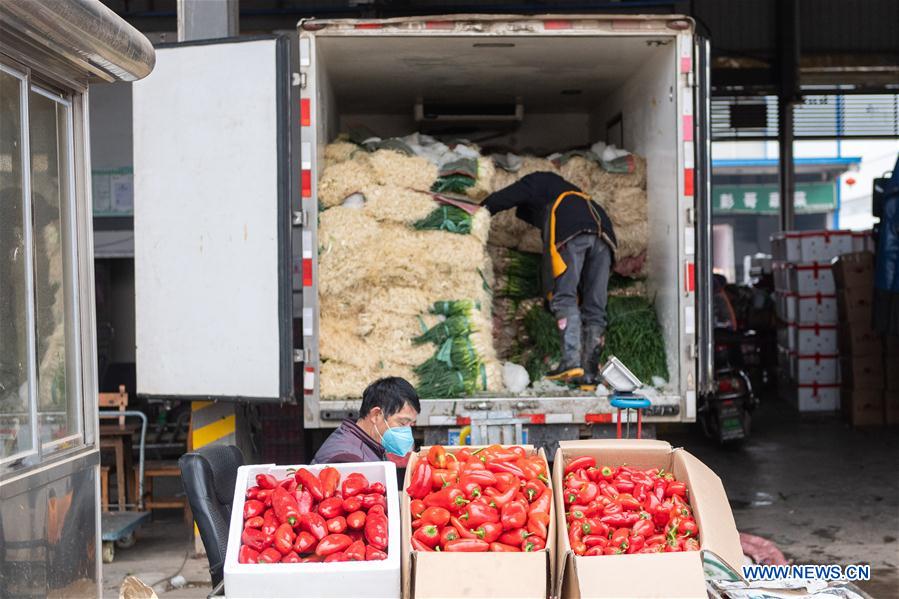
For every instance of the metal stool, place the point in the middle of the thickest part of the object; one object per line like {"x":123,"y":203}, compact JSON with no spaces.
{"x":628,"y":403}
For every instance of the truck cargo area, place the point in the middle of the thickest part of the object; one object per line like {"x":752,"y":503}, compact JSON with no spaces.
{"x":572,"y":89}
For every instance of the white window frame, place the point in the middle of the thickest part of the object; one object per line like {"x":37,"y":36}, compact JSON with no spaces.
{"x":39,"y":452}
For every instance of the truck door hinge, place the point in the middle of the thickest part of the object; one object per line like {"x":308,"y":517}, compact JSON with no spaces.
{"x":298,"y":80}
{"x":691,"y":79}
{"x":302,"y":355}
{"x":299,"y":218}
{"x":691,"y":216}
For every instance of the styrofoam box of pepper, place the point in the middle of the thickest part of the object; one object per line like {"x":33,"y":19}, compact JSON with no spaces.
{"x":484,"y":511}
{"x":633,"y":515}
{"x":314,"y":531}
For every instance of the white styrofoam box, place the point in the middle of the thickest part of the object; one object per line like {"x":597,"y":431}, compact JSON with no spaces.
{"x":819,"y":368}
{"x":817,"y":397}
{"x":810,"y":246}
{"x":337,"y":579}
{"x":862,"y":241}
{"x":814,"y":339}
{"x":807,"y":309}
{"x":781,"y":274}
{"x":811,"y":278}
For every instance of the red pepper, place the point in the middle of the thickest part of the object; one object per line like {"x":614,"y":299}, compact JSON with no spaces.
{"x":514,"y":537}
{"x":691,"y":545}
{"x":533,"y":543}
{"x":508,"y":467}
{"x":252,"y":493}
{"x":655,"y":540}
{"x":513,"y":515}
{"x":437,"y":456}
{"x":644,"y":528}
{"x":476,"y":513}
{"x":463,"y":530}
{"x":377,"y":488}
{"x":304,"y":543}
{"x":376,"y":530}
{"x":332,"y":544}
{"x":420,"y":483}
{"x":340,"y":556}
{"x":485,"y":478}
{"x":624,"y":486}
{"x":489,"y":531}
{"x":254,"y":522}
{"x":436,"y":515}
{"x":247,"y":555}
{"x":451,"y":498}
{"x":305,"y":501}
{"x":621,"y":519}
{"x":315,"y":524}
{"x":608,"y":490}
{"x":336,"y":524}
{"x":269,"y":556}
{"x":501,"y":499}
{"x":331,"y":507}
{"x":330,"y":478}
{"x":442,"y":478}
{"x":471,"y":489}
{"x":533,"y":489}
{"x":284,"y":538}
{"x":371,"y":500}
{"x":428,"y":534}
{"x":356,"y":551}
{"x":619,"y":538}
{"x":596,"y":540}
{"x":291,"y":558}
{"x":588,"y":493}
{"x":379,"y":508}
{"x":629,"y":502}
{"x":419,"y":546}
{"x":579,"y":463}
{"x":255,"y":539}
{"x":354,"y":484}
{"x":356,"y":520}
{"x":688,"y":528}
{"x":266,"y":481}
{"x":673,"y":546}
{"x":538,"y":523}
{"x":504,"y":548}
{"x":265,"y":496}
{"x":676,"y":488}
{"x":542,"y":503}
{"x":467,"y":545}
{"x":635,"y":543}
{"x":356,"y":535}
{"x":449,"y":533}
{"x":285,"y":506}
{"x":290,"y":484}
{"x":270,"y":522}
{"x":417,"y":524}
{"x":252,"y":507}
{"x":310,"y":483}
{"x":416,"y":508}
{"x":372,"y":554}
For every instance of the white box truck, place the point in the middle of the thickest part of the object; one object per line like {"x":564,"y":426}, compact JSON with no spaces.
{"x":229,"y":138}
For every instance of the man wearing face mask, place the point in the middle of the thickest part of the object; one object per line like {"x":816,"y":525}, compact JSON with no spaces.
{"x":389,"y":409}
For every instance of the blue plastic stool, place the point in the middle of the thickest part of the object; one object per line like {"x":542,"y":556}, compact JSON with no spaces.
{"x":630,"y":402}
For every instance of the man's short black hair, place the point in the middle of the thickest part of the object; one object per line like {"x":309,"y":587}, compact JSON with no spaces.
{"x":390,"y":394}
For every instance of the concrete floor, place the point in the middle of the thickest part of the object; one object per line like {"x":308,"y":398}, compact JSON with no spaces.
{"x":821,"y":491}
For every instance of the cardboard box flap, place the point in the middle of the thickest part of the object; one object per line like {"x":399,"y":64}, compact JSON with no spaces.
{"x":717,"y":528}
{"x":638,"y":575}
{"x":639,"y":453}
{"x":510,"y":575}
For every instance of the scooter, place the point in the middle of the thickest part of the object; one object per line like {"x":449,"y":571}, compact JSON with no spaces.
{"x":726,"y":415}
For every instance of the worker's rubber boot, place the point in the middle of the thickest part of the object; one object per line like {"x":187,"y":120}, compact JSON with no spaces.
{"x":592,"y":346}
{"x":570,"y":365}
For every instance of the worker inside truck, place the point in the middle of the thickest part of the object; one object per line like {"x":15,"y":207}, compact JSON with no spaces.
{"x":389,"y":408}
{"x":578,"y":252}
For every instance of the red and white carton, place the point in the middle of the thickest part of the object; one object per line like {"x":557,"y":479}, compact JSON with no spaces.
{"x":862,"y":241}
{"x":810,"y":246}
{"x":814,"y":339}
{"x":816,"y":368}
{"x":338,"y":579}
{"x":807,"y":309}
{"x":817,"y":397}
{"x":811,"y":278}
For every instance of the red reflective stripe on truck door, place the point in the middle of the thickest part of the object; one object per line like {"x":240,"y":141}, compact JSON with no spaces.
{"x":557,"y":24}
{"x":306,"y":183}
{"x":307,"y":272}
{"x":688,"y":182}
{"x":688,"y":127}
{"x":598,"y":418}
{"x":305,"y":112}
{"x":534,"y":418}
{"x":463,"y":420}
{"x":690,"y":277}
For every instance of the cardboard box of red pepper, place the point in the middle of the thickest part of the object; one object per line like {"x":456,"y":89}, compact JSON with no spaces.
{"x":314,"y":531}
{"x":632,"y":516}
{"x":478,"y":522}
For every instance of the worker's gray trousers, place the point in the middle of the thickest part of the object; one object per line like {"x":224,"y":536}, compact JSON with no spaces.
{"x":589,"y":262}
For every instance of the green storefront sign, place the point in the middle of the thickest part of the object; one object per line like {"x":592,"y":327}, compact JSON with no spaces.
{"x":765,"y":199}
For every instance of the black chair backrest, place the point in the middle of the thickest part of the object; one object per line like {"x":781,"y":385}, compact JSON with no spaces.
{"x":208,"y":476}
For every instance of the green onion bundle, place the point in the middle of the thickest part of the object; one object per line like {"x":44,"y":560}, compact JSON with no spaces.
{"x":446,"y":218}
{"x":456,"y":183}
{"x":454,"y":326}
{"x":455,"y":307}
{"x":521,"y":276}
{"x":633,"y":336}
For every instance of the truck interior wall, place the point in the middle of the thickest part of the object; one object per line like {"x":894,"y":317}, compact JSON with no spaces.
{"x":648,"y":106}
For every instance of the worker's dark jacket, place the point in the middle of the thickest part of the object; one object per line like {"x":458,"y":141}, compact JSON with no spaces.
{"x":349,"y":443}
{"x":534,"y":196}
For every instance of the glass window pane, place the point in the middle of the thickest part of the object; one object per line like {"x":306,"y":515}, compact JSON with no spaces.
{"x":54,"y":293}
{"x":15,"y":412}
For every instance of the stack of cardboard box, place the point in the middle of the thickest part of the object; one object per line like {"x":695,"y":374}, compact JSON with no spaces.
{"x":806,"y":303}
{"x":861,"y":349}
{"x":891,"y":380}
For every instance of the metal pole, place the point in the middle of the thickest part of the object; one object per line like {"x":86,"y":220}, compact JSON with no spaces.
{"x":207,"y":19}
{"x":786,"y":171}
{"x":788,"y":94}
